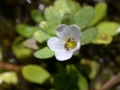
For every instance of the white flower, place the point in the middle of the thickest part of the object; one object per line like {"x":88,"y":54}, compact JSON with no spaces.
{"x":66,"y":43}
{"x":29,"y":1}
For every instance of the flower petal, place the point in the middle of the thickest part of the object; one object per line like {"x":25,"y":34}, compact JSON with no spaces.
{"x":64,"y":32}
{"x":78,"y":46}
{"x":63,"y":55}
{"x":55,"y":44}
{"x":59,"y":31}
{"x":74,"y":31}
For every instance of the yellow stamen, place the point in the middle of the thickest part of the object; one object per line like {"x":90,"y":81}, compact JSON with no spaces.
{"x":70,"y":44}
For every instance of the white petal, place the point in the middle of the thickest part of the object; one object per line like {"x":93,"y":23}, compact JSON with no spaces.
{"x":59,"y":31}
{"x":64,"y":32}
{"x":55,"y":44}
{"x":78,"y":46}
{"x":29,"y":1}
{"x":63,"y":55}
{"x":74,"y":31}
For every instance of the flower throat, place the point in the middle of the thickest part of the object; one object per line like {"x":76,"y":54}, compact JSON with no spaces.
{"x":70,"y":44}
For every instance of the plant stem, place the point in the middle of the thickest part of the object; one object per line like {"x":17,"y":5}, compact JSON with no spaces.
{"x":110,"y":83}
{"x":9,"y":66}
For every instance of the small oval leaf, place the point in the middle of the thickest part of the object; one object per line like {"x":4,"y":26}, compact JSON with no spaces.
{"x":82,"y":82}
{"x":102,"y":38}
{"x":36,"y":16}
{"x":108,"y":28}
{"x":44,"y":53}
{"x":89,"y":35}
{"x":100,"y":11}
{"x":18,"y":48}
{"x":41,"y":36}
{"x":35,"y":74}
{"x":48,"y":27}
{"x":25,"y":30}
{"x":52,"y":15}
{"x":106,"y":31}
{"x":67,"y":19}
{"x":84,"y":16}
{"x":67,"y":6}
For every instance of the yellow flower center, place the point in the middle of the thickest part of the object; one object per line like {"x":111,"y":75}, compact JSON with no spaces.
{"x":70,"y":44}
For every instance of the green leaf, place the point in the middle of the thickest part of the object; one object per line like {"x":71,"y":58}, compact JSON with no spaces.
{"x":35,"y":74}
{"x":100,"y":11}
{"x":92,"y":65}
{"x":67,"y":19}
{"x":41,"y":36}
{"x":84,"y":16}
{"x":102,"y":39}
{"x":19,"y":50}
{"x":73,"y":6}
{"x":52,"y":15}
{"x":88,"y":35}
{"x":25,"y":30}
{"x":106,"y":31}
{"x":94,"y":69}
{"x":61,"y":69}
{"x":9,"y":77}
{"x":48,"y":27}
{"x":82,"y":82}
{"x":36,"y":16}
{"x":108,"y":28}
{"x":67,"y":6}
{"x":59,"y":79}
{"x":44,"y":53}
